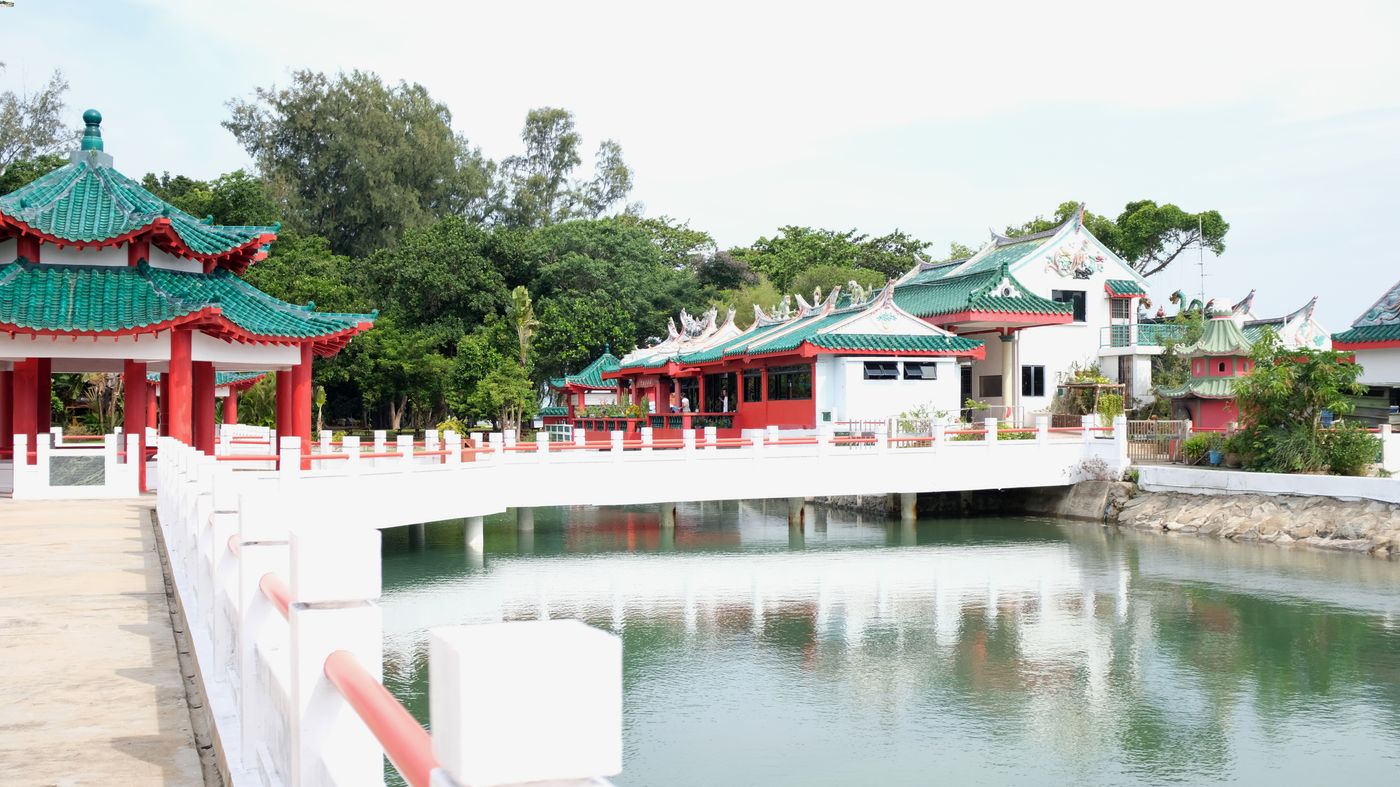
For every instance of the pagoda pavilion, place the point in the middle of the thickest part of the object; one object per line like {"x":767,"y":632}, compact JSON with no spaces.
{"x":99,"y":275}
{"x":1218,"y":358}
{"x":577,"y":391}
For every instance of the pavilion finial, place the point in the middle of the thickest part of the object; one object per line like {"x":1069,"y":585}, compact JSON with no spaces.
{"x":92,"y":135}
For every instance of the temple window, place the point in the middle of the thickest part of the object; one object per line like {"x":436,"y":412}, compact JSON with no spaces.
{"x":989,"y":386}
{"x":881,"y":370}
{"x":920,"y":370}
{"x":753,"y":385}
{"x":789,"y":382}
{"x":1075,"y":297}
{"x":1032,"y":380}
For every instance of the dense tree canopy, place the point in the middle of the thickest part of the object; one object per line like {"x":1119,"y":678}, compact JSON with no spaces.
{"x":1147,"y":235}
{"x":794,"y":249}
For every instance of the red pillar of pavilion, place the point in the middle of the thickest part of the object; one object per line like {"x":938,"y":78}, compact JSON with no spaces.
{"x":152,"y":413}
{"x":164,"y":397}
{"x":7,"y":421}
{"x":301,"y":404}
{"x":284,"y":406}
{"x":202,"y":405}
{"x":43,"y":394}
{"x":181,"y":388}
{"x":24,"y":413}
{"x":136,"y":393}
{"x":231,"y":407}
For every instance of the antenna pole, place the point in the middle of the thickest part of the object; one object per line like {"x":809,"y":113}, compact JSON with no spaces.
{"x":1201,"y":260}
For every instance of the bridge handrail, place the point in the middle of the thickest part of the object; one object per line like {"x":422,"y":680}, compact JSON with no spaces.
{"x":407,"y":745}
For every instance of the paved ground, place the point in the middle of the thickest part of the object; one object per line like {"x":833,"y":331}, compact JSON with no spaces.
{"x":90,"y":686}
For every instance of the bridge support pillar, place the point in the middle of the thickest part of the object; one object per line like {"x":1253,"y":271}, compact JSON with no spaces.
{"x":417,"y":535}
{"x":795,"y":511}
{"x":476,"y":532}
{"x":525,"y":519}
{"x":908,"y":506}
{"x":667,"y":512}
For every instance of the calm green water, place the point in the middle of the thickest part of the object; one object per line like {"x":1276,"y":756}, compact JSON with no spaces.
{"x":990,"y":651}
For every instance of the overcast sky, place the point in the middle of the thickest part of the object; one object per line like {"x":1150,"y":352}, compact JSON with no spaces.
{"x":742,"y":117}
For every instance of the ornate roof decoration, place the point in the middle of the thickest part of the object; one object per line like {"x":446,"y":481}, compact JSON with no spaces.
{"x":1222,"y":336}
{"x":87,"y":203}
{"x":986,"y":292}
{"x":1379,"y":324}
{"x":1244,"y":307}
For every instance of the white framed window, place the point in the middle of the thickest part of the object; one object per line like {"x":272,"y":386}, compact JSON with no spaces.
{"x":882,"y":370}
{"x":1032,"y":380}
{"x":920,"y":370}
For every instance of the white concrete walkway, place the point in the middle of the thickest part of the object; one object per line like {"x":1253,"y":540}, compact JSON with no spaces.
{"x":91,"y":690}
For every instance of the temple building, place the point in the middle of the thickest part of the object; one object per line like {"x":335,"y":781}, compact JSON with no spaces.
{"x":1298,"y":328}
{"x":844,"y":357}
{"x":1054,"y":300}
{"x":99,"y":275}
{"x":1374,"y":340}
{"x":574,"y":392}
{"x":1221,"y":356}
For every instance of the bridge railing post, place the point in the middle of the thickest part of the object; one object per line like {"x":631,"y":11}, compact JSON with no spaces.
{"x":1120,"y":439}
{"x":325,"y":440}
{"x":432,"y":441}
{"x":617,"y":438}
{"x":380,"y":437}
{"x":289,"y":459}
{"x":1042,"y":429}
{"x":939,"y":432}
{"x":263,"y":549}
{"x":453,"y":446}
{"x":509,"y":436}
{"x":200,"y":563}
{"x":223,"y":574}
{"x":403,"y":446}
{"x":335,"y":580}
{"x":646,"y":439}
{"x":755,"y":438}
{"x":580,"y":437}
{"x":497,"y":442}
{"x":351,"y":446}
{"x":825,"y":434}
{"x":542,"y":445}
{"x":1086,"y":425}
{"x":711,"y":436}
{"x":990,"y":424}
{"x":688,"y":440}
{"x":540,"y":718}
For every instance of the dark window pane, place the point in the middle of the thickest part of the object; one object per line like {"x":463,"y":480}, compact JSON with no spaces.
{"x":789,"y":382}
{"x":881,"y":370}
{"x":920,"y":370}
{"x":753,"y":385}
{"x":1075,"y":297}
{"x":990,"y":385}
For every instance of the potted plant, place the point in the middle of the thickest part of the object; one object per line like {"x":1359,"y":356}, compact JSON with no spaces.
{"x":1235,"y":449}
{"x":1195,"y":448}
{"x":1216,"y":449}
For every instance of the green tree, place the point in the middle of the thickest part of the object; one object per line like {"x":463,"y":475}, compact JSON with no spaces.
{"x":1147,"y":235}
{"x":32,"y":124}
{"x":539,"y":187}
{"x":742,"y":299}
{"x":522,"y":315}
{"x":24,"y":171}
{"x":828,"y":277}
{"x":795,"y":249}
{"x":359,"y":161}
{"x":507,"y":393}
{"x":235,"y":198}
{"x":1281,"y":402}
{"x":302,"y":269}
{"x":398,"y":369}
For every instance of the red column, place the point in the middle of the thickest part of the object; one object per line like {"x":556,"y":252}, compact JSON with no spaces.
{"x":43,"y":394}
{"x":284,"y":406}
{"x":231,"y":407}
{"x":24,"y":413}
{"x":136,"y":393}
{"x":202,"y":405}
{"x":7,"y":421}
{"x":152,"y":414}
{"x":181,"y":388}
{"x":164,"y":397}
{"x":301,"y":403}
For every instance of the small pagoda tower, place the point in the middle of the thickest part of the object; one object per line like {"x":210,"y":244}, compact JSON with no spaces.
{"x":1221,"y":356}
{"x":99,"y":275}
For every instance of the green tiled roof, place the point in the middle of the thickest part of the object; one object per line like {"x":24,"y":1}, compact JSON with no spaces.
{"x":973,"y":292}
{"x":1008,"y":255}
{"x":800,"y":332}
{"x":1124,"y":288}
{"x":553,"y":410}
{"x":1368,"y":333}
{"x":1380,"y":323}
{"x":99,"y":299}
{"x":88,"y":202}
{"x":221,"y":379}
{"x":1204,"y":388}
{"x":592,"y":374}
{"x":1222,"y":337}
{"x":888,"y":343}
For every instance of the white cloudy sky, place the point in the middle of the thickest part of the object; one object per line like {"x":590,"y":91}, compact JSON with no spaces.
{"x":941,"y":120}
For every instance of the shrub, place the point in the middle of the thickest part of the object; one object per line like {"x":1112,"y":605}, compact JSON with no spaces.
{"x":455,"y":424}
{"x":1110,"y":406}
{"x":1196,"y":446}
{"x":1349,"y":449}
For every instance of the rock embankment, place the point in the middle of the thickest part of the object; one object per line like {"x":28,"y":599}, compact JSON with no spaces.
{"x":1322,"y":522}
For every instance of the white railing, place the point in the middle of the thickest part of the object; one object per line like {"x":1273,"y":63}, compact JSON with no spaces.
{"x":63,"y":467}
{"x":281,"y":605}
{"x":1390,"y":449}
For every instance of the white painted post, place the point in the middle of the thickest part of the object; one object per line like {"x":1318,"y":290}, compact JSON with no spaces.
{"x":1087,"y":423}
{"x":510,"y":438}
{"x":617,"y":436}
{"x":1390,"y":449}
{"x":335,"y":580}
{"x":403,"y":445}
{"x":351,"y":447}
{"x":199,"y":564}
{"x":540,"y":717}
{"x":431,"y":439}
{"x":825,"y":434}
{"x":990,"y":424}
{"x":225,"y":446}
{"x":223,"y":571}
{"x":1120,"y":439}
{"x":580,"y":437}
{"x":263,"y":549}
{"x":688,"y":440}
{"x":646,"y":439}
{"x":711,"y":435}
{"x":940,"y":433}
{"x":497,"y":447}
{"x":1042,"y":429}
{"x":542,"y":444}
{"x":453,"y":447}
{"x":325,"y":441}
{"x":289,"y":459}
{"x":380,"y":438}
{"x":43,"y":456}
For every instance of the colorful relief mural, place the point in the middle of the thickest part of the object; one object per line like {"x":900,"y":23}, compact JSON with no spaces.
{"x":1075,"y":258}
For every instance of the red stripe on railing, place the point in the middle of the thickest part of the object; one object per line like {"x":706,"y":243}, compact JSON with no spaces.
{"x":246,"y":458}
{"x":408,"y":746}
{"x":233,"y":545}
{"x":277,"y":592}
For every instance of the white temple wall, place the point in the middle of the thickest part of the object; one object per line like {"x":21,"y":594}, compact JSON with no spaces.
{"x":843,"y":391}
{"x":111,"y":257}
{"x":160,"y":259}
{"x":1379,"y":367}
{"x":235,"y":356}
{"x":87,"y":352}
